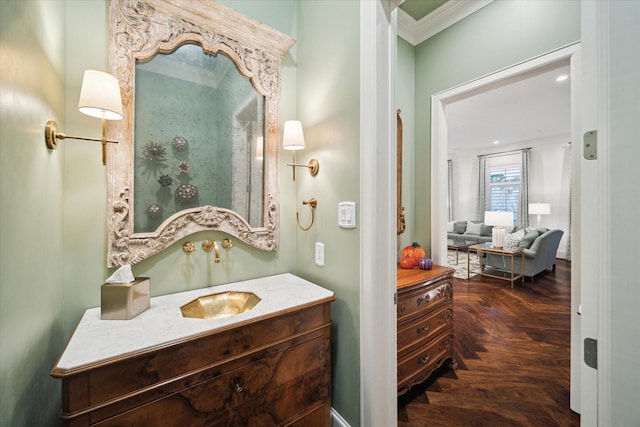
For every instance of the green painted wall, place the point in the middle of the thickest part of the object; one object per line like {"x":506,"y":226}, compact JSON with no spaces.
{"x":497,"y":36}
{"x":328,"y":104}
{"x":405,"y":102}
{"x":32,"y":88}
{"x":53,"y":248}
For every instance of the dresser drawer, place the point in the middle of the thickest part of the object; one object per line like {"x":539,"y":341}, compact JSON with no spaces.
{"x":416,"y":302}
{"x":417,"y":365}
{"x":266,"y":392}
{"x":422,"y":329}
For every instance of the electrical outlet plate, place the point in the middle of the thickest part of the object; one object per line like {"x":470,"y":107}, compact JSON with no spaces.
{"x":320,"y":254}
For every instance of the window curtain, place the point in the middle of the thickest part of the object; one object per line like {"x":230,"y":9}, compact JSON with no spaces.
{"x":450,"y":192}
{"x":483,"y":185}
{"x":523,"y":207}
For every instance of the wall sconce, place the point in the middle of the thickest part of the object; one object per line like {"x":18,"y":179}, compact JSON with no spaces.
{"x":498,"y":220}
{"x":539,"y":209}
{"x":99,"y":97}
{"x":293,"y":139}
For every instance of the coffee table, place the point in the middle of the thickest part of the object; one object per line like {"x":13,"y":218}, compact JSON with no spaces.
{"x":509,"y":275}
{"x":459,"y":245}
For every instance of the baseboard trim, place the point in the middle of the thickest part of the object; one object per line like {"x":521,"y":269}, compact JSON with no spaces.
{"x":337,"y":420}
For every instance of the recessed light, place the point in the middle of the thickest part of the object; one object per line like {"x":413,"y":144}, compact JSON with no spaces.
{"x":562,"y":77}
{"x":496,"y":142}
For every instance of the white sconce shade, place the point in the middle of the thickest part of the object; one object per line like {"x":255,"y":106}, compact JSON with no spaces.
{"x":100,"y":96}
{"x":293,"y":137}
{"x":498,"y":220}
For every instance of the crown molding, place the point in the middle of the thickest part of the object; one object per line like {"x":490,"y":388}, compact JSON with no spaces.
{"x":415,"y":32}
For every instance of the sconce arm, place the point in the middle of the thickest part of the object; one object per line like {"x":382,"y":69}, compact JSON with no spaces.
{"x":52,"y":135}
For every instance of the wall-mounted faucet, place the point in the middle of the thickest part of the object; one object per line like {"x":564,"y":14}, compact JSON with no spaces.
{"x":209,"y":245}
{"x":216,"y":251}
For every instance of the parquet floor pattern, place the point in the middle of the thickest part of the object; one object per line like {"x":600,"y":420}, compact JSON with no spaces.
{"x":512,"y":350}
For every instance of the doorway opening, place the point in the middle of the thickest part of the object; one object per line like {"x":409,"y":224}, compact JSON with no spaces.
{"x":439,"y":189}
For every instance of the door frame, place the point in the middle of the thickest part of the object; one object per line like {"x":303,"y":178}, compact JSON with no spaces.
{"x":378,"y":358}
{"x":570,"y":53}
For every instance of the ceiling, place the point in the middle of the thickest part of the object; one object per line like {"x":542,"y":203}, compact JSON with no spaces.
{"x":418,"y":9}
{"x":534,"y":108}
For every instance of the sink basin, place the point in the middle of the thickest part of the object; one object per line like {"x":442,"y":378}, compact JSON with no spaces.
{"x":220,"y":305}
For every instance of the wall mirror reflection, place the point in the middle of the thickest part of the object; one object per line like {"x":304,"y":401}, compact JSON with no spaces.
{"x":199,"y":141}
{"x":199,"y":129}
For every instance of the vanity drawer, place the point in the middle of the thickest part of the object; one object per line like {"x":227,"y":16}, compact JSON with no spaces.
{"x":317,"y":417}
{"x":424,"y":328}
{"x":263,"y":393}
{"x":422,"y":299}
{"x":136,"y":373}
{"x":419,"y":364}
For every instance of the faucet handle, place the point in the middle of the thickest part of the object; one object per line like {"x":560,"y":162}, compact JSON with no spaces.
{"x":207,"y":245}
{"x":188,"y":247}
{"x":227,"y":244}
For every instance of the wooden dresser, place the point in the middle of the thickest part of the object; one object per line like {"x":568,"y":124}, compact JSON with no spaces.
{"x":268,"y":371}
{"x":425,"y":323}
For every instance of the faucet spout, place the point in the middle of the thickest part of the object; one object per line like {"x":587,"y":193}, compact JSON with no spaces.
{"x":216,"y":251}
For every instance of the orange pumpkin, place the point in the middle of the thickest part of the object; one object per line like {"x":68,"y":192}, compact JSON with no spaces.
{"x":407,"y":262}
{"x":414,"y":251}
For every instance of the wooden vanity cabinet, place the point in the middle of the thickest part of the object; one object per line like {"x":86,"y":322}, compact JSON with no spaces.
{"x":425,"y":323}
{"x":273,"y":371}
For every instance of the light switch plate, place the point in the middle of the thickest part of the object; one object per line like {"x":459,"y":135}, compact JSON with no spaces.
{"x":347,"y":214}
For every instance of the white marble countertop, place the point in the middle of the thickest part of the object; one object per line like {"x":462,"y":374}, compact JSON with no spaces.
{"x":96,"y":340}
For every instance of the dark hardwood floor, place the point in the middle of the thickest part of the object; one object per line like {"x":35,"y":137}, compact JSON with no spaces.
{"x":512,"y":349}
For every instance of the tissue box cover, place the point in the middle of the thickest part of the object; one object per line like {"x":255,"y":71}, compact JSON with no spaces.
{"x":123,"y":301}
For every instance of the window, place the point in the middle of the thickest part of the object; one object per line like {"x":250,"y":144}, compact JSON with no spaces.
{"x":504,"y":189}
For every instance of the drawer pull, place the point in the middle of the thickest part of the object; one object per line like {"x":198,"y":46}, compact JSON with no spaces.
{"x":421,"y":300}
{"x":424,"y":359}
{"x":423,"y":329}
{"x":238,"y":388}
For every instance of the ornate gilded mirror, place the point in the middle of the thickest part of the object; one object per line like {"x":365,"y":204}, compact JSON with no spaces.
{"x":198,"y":146}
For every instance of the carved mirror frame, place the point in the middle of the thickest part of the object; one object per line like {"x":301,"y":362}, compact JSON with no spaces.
{"x":400,"y":209}
{"x":139,"y":30}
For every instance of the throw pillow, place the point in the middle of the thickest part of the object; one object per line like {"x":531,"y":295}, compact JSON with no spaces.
{"x":460,"y":226}
{"x":473,"y":228}
{"x":450,"y":226}
{"x":486,"y":230}
{"x":511,"y":240}
{"x":528,"y":239}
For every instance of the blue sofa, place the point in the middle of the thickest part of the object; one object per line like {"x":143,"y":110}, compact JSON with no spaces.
{"x":540,"y":248}
{"x":477,"y":232}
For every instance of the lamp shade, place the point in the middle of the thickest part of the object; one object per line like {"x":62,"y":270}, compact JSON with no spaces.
{"x":293,"y":137}
{"x":100,"y":95}
{"x":539,"y":208}
{"x":498,"y":218}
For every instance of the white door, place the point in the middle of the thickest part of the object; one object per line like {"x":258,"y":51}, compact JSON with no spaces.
{"x":593,"y":206}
